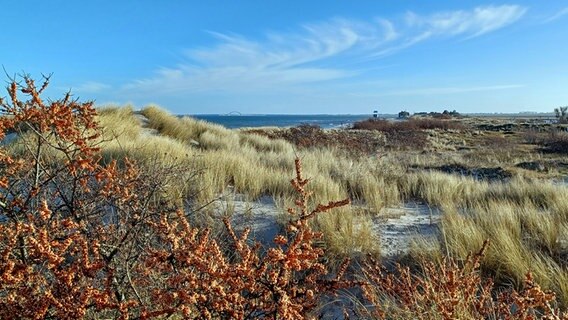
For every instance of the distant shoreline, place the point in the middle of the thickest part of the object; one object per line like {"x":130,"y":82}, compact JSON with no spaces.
{"x":328,"y":121}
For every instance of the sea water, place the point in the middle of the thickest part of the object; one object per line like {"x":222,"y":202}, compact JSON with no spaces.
{"x":285,"y":120}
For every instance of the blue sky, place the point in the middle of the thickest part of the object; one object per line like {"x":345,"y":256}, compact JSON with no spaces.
{"x":293,"y":56}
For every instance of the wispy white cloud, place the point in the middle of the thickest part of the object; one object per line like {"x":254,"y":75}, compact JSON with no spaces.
{"x":232,"y":78}
{"x":561,"y":13}
{"x":283,"y":60}
{"x":461,"y":23}
{"x":243,"y":64}
{"x":473,"y":23}
{"x":317,"y":42}
{"x":91,"y":87}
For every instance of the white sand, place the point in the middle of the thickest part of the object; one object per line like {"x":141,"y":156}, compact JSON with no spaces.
{"x":403,"y":225}
{"x":395,"y":227}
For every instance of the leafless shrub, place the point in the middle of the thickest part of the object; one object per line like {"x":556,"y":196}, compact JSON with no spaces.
{"x":448,"y":290}
{"x":556,"y":142}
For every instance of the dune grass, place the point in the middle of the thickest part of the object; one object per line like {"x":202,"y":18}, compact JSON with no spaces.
{"x":523,"y":238}
{"x":118,"y":122}
{"x":232,"y":161}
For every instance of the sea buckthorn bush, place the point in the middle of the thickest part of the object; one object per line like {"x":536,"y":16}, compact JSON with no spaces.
{"x":80,"y":238}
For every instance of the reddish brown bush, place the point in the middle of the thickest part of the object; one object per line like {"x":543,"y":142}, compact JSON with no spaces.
{"x":447,"y":290}
{"x":407,"y":133}
{"x":307,"y":135}
{"x":407,"y":125}
{"x":310,"y":136}
{"x":81,"y":239}
{"x":52,"y":263}
{"x":285,"y":283}
{"x":531,"y":136}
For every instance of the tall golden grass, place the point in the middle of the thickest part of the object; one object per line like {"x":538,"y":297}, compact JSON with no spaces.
{"x":233,"y":161}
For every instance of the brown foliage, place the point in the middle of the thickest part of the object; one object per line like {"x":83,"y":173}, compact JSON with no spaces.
{"x":447,"y":290}
{"x":286,"y":283}
{"x":82,"y":239}
{"x":556,"y":142}
{"x":50,"y":261}
{"x":309,"y":136}
{"x":407,"y":133}
{"x":407,"y":125}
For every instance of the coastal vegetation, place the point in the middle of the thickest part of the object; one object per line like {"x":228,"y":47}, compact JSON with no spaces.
{"x":117,"y":213}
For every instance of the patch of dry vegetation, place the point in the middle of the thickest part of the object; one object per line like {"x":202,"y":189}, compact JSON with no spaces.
{"x":412,"y":124}
{"x":556,"y":142}
{"x":449,"y":290}
{"x":248,"y":163}
{"x":312,"y":136}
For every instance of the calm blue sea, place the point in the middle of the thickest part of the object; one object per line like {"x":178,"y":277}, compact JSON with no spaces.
{"x":284,"y":120}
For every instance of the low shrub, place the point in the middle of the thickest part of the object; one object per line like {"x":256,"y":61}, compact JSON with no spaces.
{"x":531,"y":136}
{"x":499,"y":142}
{"x":556,"y":142}
{"x":312,"y":136}
{"x":307,"y":135}
{"x":84,"y":239}
{"x":410,"y":139}
{"x":448,"y":290}
{"x":407,"y":125}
